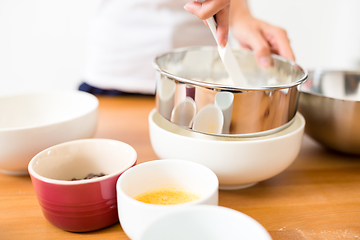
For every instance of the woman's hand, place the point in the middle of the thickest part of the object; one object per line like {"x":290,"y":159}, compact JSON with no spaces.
{"x":220,"y":9}
{"x":263,"y":38}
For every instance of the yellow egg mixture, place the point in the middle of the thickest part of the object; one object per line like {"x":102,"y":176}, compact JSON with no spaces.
{"x":167,"y":196}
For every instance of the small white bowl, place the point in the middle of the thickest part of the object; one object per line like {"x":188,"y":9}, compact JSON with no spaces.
{"x":237,"y":162}
{"x":32,"y":122}
{"x":193,"y":177}
{"x":204,"y":222}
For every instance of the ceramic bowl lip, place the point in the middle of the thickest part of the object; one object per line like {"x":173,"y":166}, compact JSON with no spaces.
{"x":203,"y":209}
{"x":224,"y":87}
{"x":312,"y":93}
{"x":92,"y":100}
{"x":247,"y":140}
{"x":116,"y":174}
{"x":152,"y":162}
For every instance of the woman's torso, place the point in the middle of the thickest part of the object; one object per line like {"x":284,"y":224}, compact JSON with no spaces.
{"x":126,"y":36}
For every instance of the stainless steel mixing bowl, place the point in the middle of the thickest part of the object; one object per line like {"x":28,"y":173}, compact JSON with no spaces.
{"x":330,"y":103}
{"x":193,"y":79}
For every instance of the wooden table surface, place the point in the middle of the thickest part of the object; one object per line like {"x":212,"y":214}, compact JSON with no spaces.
{"x":317,"y":197}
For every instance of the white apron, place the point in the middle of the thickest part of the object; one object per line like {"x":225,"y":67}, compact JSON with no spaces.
{"x":127,"y":35}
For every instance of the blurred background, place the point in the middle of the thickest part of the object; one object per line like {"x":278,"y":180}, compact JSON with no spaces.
{"x":43,"y":43}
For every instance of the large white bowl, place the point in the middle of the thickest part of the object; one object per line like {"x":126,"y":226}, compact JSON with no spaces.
{"x":32,"y":122}
{"x":237,"y":162}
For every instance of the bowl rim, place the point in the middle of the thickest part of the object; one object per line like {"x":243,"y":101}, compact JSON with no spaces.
{"x":93,"y":99}
{"x":174,"y":206}
{"x":205,"y":210}
{"x":39,"y":177}
{"x":247,"y":140}
{"x":320,"y":71}
{"x":218,"y":87}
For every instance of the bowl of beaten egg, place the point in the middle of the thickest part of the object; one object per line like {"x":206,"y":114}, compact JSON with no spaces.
{"x":238,"y":162}
{"x":153,"y":188}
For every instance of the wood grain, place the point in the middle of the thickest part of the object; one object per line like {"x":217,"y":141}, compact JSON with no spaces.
{"x":317,"y":197}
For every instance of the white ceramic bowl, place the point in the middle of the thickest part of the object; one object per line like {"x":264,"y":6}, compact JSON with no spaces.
{"x":31,"y":122}
{"x":204,"y":222}
{"x":159,"y":174}
{"x":237,"y":162}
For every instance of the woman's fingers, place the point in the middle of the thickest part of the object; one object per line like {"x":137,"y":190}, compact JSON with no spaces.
{"x":222,"y":29}
{"x":209,"y":8}
{"x":279,"y":42}
{"x":264,"y":39}
{"x":260,"y":46}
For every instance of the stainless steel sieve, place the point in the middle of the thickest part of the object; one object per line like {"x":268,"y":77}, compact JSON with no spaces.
{"x":194,"y":91}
